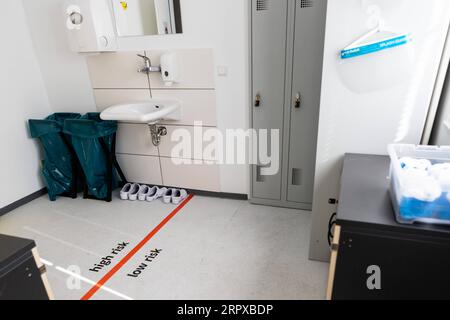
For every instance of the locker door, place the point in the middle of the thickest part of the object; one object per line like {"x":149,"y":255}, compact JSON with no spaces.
{"x":269,"y":19}
{"x":310,"y":17}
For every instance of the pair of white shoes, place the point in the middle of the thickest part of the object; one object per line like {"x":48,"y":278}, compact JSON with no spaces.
{"x":134,"y":191}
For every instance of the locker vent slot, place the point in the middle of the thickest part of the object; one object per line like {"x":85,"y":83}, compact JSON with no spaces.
{"x":259,"y":177}
{"x":306,"y":3}
{"x":296,"y":177}
{"x":262,"y":5}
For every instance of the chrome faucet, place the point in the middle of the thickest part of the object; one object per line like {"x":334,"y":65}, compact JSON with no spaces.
{"x":148,"y":66}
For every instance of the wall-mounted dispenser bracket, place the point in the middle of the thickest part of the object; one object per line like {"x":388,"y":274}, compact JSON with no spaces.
{"x":148,"y":68}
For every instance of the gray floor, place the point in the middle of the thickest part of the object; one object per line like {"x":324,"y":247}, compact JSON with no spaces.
{"x":212,"y":249}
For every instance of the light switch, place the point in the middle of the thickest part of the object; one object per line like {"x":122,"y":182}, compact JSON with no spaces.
{"x":222,"y":71}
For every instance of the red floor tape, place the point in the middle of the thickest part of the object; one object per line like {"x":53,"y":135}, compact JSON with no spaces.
{"x":139,"y":246}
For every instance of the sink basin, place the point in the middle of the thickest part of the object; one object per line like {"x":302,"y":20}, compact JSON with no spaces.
{"x":144,"y":112}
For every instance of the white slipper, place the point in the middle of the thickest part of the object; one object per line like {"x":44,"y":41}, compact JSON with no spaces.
{"x":133,"y":194}
{"x":143,"y":192}
{"x":167,"y":196}
{"x":178,"y":196}
{"x":125,"y":192}
{"x":155,"y":193}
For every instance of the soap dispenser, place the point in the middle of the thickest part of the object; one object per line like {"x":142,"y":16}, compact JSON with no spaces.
{"x":169,"y":68}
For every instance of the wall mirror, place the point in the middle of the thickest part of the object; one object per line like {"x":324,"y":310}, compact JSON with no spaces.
{"x":147,"y":17}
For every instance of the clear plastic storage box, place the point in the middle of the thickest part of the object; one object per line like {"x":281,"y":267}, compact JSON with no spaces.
{"x":420,"y":183}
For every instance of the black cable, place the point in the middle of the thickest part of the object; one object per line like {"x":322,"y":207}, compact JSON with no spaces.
{"x":331,"y":224}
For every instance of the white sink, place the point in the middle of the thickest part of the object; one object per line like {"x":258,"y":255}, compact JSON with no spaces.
{"x":144,"y":112}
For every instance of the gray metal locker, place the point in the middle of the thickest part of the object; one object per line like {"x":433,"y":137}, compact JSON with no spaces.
{"x":268,"y":63}
{"x":310,"y":17}
{"x":287,"y":54}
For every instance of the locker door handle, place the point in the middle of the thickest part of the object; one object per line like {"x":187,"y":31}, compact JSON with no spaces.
{"x":257,"y":100}
{"x":298,"y":101}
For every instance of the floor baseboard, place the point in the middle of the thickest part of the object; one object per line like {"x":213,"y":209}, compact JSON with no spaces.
{"x":22,"y":201}
{"x":234,"y":196}
{"x":39,"y":193}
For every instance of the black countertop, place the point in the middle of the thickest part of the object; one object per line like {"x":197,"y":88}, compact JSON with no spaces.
{"x":364,"y":199}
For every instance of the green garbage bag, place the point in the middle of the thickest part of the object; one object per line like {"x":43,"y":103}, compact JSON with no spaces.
{"x":86,"y":133}
{"x":57,"y":167}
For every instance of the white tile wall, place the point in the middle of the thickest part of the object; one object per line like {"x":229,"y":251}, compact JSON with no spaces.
{"x":115,"y":80}
{"x":141,"y":169}
{"x":195,"y":68}
{"x":167,"y":144}
{"x":193,"y":176}
{"x":117,"y":70}
{"x":105,"y":98}
{"x":198,"y":105}
{"x":135,"y":139}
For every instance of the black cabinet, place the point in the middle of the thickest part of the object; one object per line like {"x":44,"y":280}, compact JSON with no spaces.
{"x":373,"y":256}
{"x":22,"y":275}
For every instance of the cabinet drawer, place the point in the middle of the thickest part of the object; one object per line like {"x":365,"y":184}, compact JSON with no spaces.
{"x":21,"y":280}
{"x":410,"y":267}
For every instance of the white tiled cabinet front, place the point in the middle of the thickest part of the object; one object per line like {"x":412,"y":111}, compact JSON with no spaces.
{"x":135,"y":138}
{"x":201,"y":176}
{"x":173,"y":145}
{"x":115,"y":80}
{"x":141,"y":169}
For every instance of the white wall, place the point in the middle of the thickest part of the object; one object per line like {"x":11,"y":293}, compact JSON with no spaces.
{"x":65,"y":73}
{"x":23,"y":96}
{"x":366,"y":121}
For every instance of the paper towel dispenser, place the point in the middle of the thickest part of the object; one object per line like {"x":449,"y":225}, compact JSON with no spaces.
{"x":90,"y":26}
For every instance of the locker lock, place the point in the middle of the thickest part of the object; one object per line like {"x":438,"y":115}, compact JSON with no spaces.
{"x":297,"y":100}
{"x":257,"y":100}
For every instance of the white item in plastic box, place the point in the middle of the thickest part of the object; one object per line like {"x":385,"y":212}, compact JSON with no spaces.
{"x":403,"y":183}
{"x":421,"y":187}
{"x":441,"y":172}
{"x":417,"y":182}
{"x":411,"y":163}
